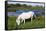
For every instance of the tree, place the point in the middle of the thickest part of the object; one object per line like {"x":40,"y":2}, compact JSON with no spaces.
{"x":24,"y":5}
{"x":18,"y":5}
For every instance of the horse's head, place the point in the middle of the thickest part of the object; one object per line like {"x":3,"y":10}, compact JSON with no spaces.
{"x":18,"y":21}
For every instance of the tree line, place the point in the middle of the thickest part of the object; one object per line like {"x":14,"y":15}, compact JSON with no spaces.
{"x":13,"y":7}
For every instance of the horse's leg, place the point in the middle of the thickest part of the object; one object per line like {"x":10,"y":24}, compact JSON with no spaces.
{"x":24,"y":21}
{"x":31,"y":19}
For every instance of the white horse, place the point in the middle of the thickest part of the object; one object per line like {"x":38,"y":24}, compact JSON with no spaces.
{"x":25,"y":15}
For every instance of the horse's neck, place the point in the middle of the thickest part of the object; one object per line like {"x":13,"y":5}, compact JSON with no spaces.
{"x":19,"y":17}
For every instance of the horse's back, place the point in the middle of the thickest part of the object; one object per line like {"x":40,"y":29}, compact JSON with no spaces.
{"x":26,"y":14}
{"x":31,"y":12}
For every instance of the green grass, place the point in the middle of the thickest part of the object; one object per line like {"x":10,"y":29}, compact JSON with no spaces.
{"x":11,"y":22}
{"x":34,"y":24}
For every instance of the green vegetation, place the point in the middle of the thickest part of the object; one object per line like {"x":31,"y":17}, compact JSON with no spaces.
{"x":11,"y":22}
{"x":36,"y":23}
{"x":14,"y":7}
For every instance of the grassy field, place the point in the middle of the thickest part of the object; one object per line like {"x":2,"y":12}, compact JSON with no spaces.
{"x":36,"y":23}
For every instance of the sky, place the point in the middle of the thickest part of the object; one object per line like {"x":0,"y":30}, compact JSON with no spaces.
{"x":33,"y":4}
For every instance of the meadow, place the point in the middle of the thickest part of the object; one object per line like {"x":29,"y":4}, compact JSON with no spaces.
{"x":39,"y":22}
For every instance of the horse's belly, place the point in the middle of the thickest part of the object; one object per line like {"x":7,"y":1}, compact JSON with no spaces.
{"x":26,"y":16}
